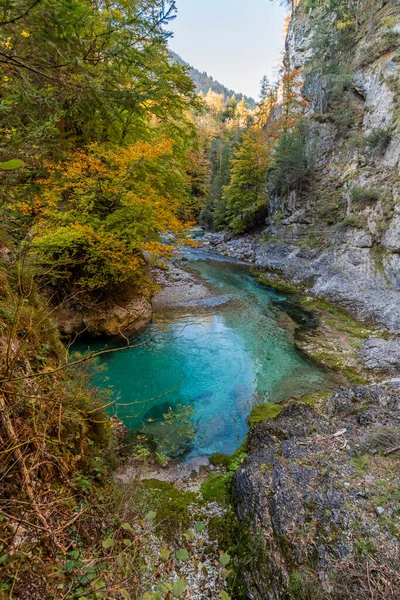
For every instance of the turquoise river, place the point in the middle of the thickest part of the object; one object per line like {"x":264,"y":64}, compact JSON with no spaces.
{"x":206,"y":365}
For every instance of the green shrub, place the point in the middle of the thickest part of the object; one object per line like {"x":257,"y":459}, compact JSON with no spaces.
{"x":362,"y":195}
{"x":379,"y":139}
{"x":390,"y":39}
{"x":356,"y":221}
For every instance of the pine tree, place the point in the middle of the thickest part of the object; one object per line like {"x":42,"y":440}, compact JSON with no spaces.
{"x":293,"y":103}
{"x":246,"y":196}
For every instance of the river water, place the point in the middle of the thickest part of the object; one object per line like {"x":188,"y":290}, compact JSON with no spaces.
{"x":206,"y":365}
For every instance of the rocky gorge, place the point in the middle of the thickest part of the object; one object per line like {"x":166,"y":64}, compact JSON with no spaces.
{"x":317,"y":495}
{"x":199,"y":307}
{"x":308,"y":506}
{"x":315,"y":486}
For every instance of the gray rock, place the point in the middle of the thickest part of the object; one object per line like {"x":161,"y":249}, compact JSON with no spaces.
{"x":379,"y":98}
{"x":341,"y":273}
{"x":391,"y":237}
{"x":358,"y":238}
{"x":241,"y":248}
{"x":298,"y":494}
{"x":381,"y":354}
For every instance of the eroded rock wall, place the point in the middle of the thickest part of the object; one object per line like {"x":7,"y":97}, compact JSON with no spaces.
{"x":318,"y":492}
{"x":346,"y":247}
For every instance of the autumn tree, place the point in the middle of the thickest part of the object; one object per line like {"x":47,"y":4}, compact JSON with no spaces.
{"x":98,"y":212}
{"x":292,"y":102}
{"x":103,"y":120}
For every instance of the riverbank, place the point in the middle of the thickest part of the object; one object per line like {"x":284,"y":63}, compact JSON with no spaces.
{"x":324,"y":275}
{"x":178,"y":287}
{"x":344,"y":271}
{"x":315,"y":489}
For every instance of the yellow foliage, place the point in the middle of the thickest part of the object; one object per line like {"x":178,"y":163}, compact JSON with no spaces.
{"x":98,"y":212}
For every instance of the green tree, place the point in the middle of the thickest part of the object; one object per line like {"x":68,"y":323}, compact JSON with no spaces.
{"x":246,"y":195}
{"x":292,"y":164}
{"x":79,"y":70}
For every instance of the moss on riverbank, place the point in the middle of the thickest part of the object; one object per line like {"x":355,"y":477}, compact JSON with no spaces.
{"x":276,"y":281}
{"x":336,"y":337}
{"x":264,"y":412}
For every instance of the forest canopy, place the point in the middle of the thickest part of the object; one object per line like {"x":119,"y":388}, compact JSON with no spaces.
{"x":102,"y":120}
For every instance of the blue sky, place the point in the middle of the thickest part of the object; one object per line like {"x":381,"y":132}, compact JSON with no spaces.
{"x":235,"y":41}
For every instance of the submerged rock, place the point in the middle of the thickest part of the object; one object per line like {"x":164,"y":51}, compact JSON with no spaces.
{"x":210,"y":430}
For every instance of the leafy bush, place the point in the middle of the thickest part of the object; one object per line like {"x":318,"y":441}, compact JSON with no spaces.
{"x":97,"y":213}
{"x":390,"y":38}
{"x":356,"y":221}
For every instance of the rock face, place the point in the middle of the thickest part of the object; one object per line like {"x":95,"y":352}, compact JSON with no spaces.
{"x":317,"y":494}
{"x":344,"y":273}
{"x":111,"y":318}
{"x":347,"y":272}
{"x":241,"y":248}
{"x":391,"y":237}
{"x":381,"y":354}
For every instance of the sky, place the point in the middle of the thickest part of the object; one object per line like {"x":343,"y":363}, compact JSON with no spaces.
{"x":235,"y":41}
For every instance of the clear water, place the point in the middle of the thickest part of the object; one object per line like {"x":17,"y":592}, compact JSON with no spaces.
{"x":219,"y":357}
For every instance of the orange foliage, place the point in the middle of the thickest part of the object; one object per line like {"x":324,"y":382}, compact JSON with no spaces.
{"x":101,"y":210}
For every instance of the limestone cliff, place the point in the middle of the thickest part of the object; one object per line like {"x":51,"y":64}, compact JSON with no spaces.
{"x":342,"y":234}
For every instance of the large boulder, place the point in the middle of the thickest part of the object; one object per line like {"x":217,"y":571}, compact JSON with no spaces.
{"x":316,"y":494}
{"x":381,"y":354}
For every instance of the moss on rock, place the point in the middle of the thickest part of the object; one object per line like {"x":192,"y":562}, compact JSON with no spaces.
{"x":170,"y":504}
{"x":214,"y":488}
{"x":277,"y":282}
{"x":228,"y":460}
{"x":264,"y":412}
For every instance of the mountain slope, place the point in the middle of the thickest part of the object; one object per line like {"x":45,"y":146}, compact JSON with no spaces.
{"x":205,"y":82}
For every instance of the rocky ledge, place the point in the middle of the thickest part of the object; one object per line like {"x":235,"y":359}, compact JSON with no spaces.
{"x":346,"y":272}
{"x":126,"y":313}
{"x":109,"y":318}
{"x":178,"y":287}
{"x":319,"y":496}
